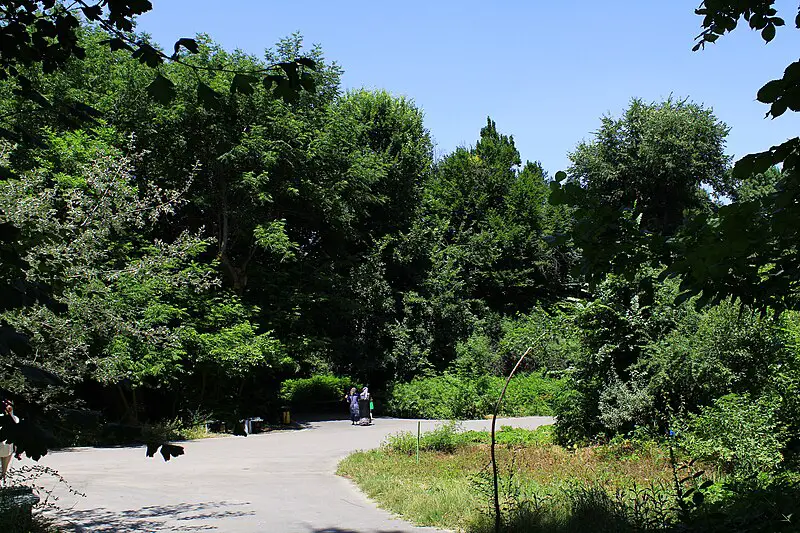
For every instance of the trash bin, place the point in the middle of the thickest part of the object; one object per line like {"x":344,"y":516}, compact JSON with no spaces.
{"x":286,"y":416}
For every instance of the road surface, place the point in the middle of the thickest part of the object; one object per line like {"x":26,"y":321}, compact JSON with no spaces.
{"x":281,"y":481}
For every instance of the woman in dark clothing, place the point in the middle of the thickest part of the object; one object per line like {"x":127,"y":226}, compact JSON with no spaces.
{"x":352,"y":399}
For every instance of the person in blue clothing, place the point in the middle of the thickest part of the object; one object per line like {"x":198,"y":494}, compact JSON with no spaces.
{"x":352,"y":399}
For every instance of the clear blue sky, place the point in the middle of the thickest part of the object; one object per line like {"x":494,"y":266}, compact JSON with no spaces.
{"x":544,"y":71}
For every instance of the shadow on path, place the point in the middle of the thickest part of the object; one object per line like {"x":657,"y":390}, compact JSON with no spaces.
{"x":155,"y":518}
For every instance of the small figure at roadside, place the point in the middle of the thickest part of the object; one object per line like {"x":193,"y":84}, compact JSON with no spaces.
{"x":363,"y":405}
{"x":352,"y":399}
{"x":6,"y":448}
{"x":371,"y":408}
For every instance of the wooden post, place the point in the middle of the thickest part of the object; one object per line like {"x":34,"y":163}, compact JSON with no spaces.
{"x":419,"y":426}
{"x":497,"y":518}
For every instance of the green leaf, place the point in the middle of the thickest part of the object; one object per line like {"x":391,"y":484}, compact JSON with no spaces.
{"x":190,"y":44}
{"x":243,"y":84}
{"x":92,"y":12}
{"x":768,"y":33}
{"x":682,"y":297}
{"x":117,"y":44}
{"x":778,"y":108}
{"x":307,"y":62}
{"x":161,"y":89}
{"x":770,"y":91}
{"x":148,"y":55}
{"x":308,"y":83}
{"x":290,"y":68}
{"x":208,"y":97}
{"x":560,"y":176}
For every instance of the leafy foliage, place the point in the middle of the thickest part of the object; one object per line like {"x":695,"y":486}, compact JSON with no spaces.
{"x":459,"y":397}
{"x":315,"y":391}
{"x":737,"y":432}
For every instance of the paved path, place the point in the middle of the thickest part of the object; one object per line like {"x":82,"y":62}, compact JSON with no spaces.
{"x":280,"y":482}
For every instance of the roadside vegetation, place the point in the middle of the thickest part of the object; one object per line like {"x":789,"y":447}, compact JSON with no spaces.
{"x":183,"y":243}
{"x":633,"y":483}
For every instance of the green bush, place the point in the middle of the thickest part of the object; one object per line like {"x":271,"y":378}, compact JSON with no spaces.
{"x":736,"y":431}
{"x":449,"y":396}
{"x":314,"y":390}
{"x":444,"y":438}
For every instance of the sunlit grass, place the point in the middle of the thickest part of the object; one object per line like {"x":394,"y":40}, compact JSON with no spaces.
{"x":451,"y":490}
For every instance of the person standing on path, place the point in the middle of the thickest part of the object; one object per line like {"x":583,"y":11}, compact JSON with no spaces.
{"x":363,"y":405}
{"x":352,"y":399}
{"x":6,"y":448}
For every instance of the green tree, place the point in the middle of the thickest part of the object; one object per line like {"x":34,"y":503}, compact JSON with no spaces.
{"x":638,"y":181}
{"x":129,"y":298}
{"x":478,"y":250}
{"x":654,"y":160}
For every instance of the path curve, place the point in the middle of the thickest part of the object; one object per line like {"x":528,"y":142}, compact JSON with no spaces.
{"x":281,"y":482}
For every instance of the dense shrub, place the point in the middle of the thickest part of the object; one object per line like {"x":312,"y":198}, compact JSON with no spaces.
{"x":737,"y":432}
{"x":552,"y":334}
{"x":643,"y":357}
{"x":315,"y":390}
{"x":449,"y":396}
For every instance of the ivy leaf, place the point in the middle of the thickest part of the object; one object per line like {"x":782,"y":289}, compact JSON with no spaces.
{"x":161,"y":89}
{"x":684,"y":296}
{"x":152,"y":448}
{"x":285,"y":91}
{"x":39,"y":376}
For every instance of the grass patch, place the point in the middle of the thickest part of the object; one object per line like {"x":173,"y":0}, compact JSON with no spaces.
{"x":448,"y":438}
{"x":450,"y":486}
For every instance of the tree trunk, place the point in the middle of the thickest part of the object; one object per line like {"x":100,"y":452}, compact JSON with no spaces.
{"x":127,"y":414}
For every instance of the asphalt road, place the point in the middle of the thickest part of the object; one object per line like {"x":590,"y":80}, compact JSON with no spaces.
{"x":281,"y":481}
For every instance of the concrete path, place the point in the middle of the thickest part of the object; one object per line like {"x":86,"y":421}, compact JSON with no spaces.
{"x":282,"y":482}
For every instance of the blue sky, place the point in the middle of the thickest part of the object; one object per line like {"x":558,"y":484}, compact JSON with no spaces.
{"x":544,"y":71}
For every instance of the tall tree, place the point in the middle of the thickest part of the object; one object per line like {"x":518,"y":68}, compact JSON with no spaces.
{"x":654,"y":160}
{"x":639,"y":180}
{"x":476,"y":249}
